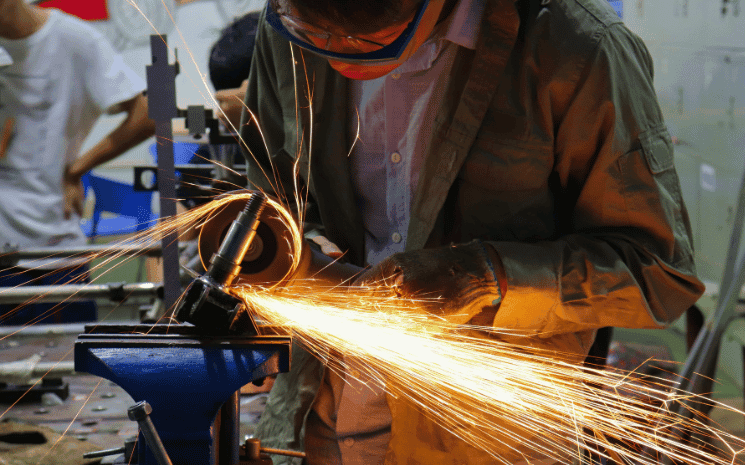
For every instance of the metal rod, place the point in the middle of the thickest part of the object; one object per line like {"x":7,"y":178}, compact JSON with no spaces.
{"x":140,"y":412}
{"x":705,"y":348}
{"x":288,"y":453}
{"x":704,"y":353}
{"x":84,"y":251}
{"x":103,"y":453}
{"x":228,"y":437}
{"x":161,"y":85}
{"x":50,"y":330}
{"x":22,"y":371}
{"x":77,"y":292}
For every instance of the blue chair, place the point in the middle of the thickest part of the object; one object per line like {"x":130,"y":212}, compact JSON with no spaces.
{"x":132,"y":211}
{"x":183,"y":152}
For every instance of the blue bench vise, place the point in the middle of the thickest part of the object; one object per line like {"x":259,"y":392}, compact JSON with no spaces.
{"x":186,"y":377}
{"x":181,"y":376}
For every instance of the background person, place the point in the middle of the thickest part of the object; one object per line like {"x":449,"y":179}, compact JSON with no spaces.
{"x":63,"y":76}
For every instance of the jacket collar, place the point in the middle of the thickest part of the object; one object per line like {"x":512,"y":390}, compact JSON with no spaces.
{"x":325,"y":91}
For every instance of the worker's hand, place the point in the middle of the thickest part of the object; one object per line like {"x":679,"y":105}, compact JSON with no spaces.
{"x":453,"y":282}
{"x":74,"y":195}
{"x":231,"y":105}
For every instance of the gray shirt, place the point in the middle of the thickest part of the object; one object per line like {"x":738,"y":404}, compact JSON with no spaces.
{"x":396,"y":113}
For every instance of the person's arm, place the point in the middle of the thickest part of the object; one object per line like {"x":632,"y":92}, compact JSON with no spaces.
{"x":625,"y":254}
{"x":231,"y":106}
{"x":135,"y":128}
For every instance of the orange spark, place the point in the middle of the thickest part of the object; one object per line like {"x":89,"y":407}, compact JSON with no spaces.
{"x":474,"y":385}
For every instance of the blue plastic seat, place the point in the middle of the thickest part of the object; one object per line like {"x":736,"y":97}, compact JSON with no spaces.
{"x":183,"y":152}
{"x":132,"y":211}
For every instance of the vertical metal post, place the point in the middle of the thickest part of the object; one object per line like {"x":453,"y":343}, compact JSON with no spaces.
{"x":161,"y":85}
{"x":228,"y":436}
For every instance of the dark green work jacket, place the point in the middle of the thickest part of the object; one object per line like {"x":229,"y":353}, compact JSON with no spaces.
{"x":549,"y":144}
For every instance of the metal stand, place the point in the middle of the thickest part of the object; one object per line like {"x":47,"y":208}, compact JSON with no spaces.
{"x":695,"y":375}
{"x":161,"y":84}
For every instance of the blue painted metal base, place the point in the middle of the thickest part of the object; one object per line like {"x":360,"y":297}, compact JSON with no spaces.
{"x":186,"y":378}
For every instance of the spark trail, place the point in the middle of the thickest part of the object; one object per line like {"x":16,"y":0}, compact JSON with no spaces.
{"x":505,"y":398}
{"x":501,"y":397}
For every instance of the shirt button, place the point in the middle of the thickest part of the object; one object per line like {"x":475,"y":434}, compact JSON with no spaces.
{"x":395,"y":157}
{"x":349,"y":442}
{"x":396,"y":237}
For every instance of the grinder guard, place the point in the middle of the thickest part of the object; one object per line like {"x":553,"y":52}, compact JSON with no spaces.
{"x":269,"y":260}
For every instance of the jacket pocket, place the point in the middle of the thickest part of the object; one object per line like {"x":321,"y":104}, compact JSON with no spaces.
{"x":657,"y":147}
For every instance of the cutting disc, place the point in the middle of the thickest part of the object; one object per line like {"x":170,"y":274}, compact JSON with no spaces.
{"x":269,"y":259}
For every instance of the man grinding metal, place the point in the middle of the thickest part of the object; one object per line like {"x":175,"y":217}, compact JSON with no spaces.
{"x":511,"y":158}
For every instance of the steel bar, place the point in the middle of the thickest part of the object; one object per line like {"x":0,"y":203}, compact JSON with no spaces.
{"x":84,"y":251}
{"x":117,"y":292}
{"x":228,"y":431}
{"x":699,"y":367}
{"x":49,"y":330}
{"x":287,"y":453}
{"x":161,"y":85}
{"x":22,"y":371}
{"x":104,"y":453}
{"x":705,"y":348}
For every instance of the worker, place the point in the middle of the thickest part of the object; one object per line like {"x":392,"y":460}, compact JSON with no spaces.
{"x":60,"y":75}
{"x":508,"y":156}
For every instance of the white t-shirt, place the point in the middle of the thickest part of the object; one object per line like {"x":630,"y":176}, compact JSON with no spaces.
{"x":63,"y":77}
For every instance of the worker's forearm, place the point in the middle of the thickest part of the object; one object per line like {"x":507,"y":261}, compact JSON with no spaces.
{"x":135,"y":128}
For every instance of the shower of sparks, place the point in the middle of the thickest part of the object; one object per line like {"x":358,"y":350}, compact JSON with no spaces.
{"x":501,"y":397}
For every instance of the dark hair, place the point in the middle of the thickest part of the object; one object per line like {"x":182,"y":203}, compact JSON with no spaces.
{"x":358,"y":15}
{"x":230,"y":57}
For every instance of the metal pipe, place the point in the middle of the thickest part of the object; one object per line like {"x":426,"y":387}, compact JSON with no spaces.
{"x":228,"y":435}
{"x":702,"y":358}
{"x":104,"y":453}
{"x":706,"y":347}
{"x":117,"y":292}
{"x":287,"y":453}
{"x":104,"y":250}
{"x":50,"y":330}
{"x":31,"y":368}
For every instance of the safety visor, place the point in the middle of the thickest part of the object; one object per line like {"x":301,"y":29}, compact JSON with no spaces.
{"x":397,"y":51}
